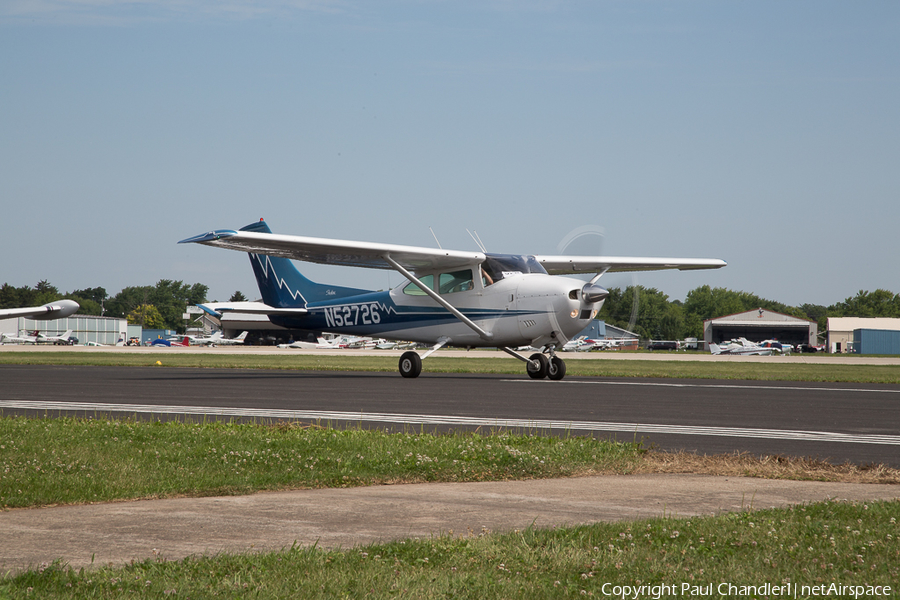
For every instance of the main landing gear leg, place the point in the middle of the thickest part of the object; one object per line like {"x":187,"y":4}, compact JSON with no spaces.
{"x":539,"y":365}
{"x":411,"y":362}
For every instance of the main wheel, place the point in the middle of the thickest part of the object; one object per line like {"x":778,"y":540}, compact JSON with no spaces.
{"x":556,"y":370}
{"x":538,"y":365}
{"x":410,"y":364}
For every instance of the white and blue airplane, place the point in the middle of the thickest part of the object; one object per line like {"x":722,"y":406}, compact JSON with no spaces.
{"x":450,"y":297}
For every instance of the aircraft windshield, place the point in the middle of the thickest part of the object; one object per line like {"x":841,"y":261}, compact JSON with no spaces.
{"x":498,"y":266}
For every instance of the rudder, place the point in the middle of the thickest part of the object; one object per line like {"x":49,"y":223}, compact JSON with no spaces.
{"x":282,"y":285}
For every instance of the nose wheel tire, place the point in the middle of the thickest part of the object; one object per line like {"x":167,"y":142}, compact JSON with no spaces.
{"x":556,"y":369}
{"x":410,"y":364}
{"x":538,"y":366}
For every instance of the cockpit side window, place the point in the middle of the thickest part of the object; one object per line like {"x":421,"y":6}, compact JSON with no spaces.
{"x":498,"y":266}
{"x":456,"y":281}
{"x":412,"y":289}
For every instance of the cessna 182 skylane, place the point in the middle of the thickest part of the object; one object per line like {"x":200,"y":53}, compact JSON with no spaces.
{"x":450,"y":298}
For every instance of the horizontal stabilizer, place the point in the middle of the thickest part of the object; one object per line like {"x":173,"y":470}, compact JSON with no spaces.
{"x":217,"y":309}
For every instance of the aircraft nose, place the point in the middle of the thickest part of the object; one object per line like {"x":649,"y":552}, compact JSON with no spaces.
{"x":593,"y":293}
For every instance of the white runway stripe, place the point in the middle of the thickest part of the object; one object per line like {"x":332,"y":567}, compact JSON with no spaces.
{"x":731,"y":386}
{"x":313,"y":415}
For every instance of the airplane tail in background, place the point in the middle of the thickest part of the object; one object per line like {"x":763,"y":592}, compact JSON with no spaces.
{"x":282,"y":285}
{"x":714,"y":348}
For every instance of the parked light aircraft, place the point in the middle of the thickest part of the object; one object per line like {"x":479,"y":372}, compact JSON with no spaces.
{"x":450,"y":298}
{"x":184,"y":342}
{"x":615,"y":343}
{"x":36,"y":338}
{"x":120,"y":342}
{"x":743,"y":347}
{"x":581,"y":344}
{"x":300,"y":344}
{"x":216,"y":339}
{"x":224,"y":341}
{"x":778,"y":347}
{"x":57,"y":309}
{"x":54,"y":339}
{"x":5,"y":338}
{"x":320,"y":344}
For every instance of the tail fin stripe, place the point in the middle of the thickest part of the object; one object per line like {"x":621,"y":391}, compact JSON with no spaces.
{"x":265,"y":266}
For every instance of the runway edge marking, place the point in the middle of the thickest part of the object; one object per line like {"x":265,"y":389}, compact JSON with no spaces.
{"x":313,"y":415}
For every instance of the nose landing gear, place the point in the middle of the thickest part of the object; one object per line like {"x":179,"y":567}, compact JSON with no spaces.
{"x":540,"y":366}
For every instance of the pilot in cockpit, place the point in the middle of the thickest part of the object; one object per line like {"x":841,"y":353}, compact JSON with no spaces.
{"x":486,"y":278}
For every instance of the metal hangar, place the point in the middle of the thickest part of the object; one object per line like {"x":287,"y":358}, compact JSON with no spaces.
{"x":759,"y":325}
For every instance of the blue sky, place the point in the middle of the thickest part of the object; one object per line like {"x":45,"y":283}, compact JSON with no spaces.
{"x":765,"y":133}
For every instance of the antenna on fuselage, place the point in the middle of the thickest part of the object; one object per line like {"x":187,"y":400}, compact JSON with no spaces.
{"x":477,"y":240}
{"x":435,"y":237}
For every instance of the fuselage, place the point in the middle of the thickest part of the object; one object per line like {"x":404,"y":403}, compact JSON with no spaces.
{"x":520,"y":309}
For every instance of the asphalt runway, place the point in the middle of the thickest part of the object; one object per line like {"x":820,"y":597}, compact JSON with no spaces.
{"x":858,"y":423}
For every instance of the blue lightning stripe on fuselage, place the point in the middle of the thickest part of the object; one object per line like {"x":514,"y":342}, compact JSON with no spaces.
{"x":376,"y":313}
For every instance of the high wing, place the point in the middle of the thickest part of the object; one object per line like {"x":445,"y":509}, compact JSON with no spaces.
{"x":51,"y":310}
{"x":562,"y":265}
{"x":337,"y":252}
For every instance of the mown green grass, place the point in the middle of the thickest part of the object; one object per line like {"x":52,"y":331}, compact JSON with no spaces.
{"x":789,"y":370}
{"x":820,"y":544}
{"x":66,"y":460}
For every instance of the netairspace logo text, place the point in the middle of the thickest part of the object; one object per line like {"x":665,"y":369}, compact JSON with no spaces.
{"x":787,"y":590}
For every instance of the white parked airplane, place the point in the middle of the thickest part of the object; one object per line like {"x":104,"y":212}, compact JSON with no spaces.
{"x":224,"y":341}
{"x":320,"y":344}
{"x":300,"y":344}
{"x":52,"y":310}
{"x":5,"y":338}
{"x":54,"y":339}
{"x":743,"y":347}
{"x":37,"y":338}
{"x":581,"y":344}
{"x":450,"y":298}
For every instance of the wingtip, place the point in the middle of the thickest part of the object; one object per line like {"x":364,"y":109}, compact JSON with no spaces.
{"x":210,"y":236}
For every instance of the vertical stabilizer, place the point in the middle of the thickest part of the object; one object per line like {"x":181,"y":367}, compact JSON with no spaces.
{"x":283,"y":286}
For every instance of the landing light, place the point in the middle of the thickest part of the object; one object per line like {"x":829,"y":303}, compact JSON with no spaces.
{"x":574,"y":313}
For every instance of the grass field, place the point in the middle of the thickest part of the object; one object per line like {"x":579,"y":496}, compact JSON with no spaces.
{"x":787,"y":371}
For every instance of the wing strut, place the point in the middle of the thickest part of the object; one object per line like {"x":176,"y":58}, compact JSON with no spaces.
{"x":485,"y":335}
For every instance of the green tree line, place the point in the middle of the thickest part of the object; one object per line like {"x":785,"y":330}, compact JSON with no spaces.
{"x":651,"y":314}
{"x":648,"y":312}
